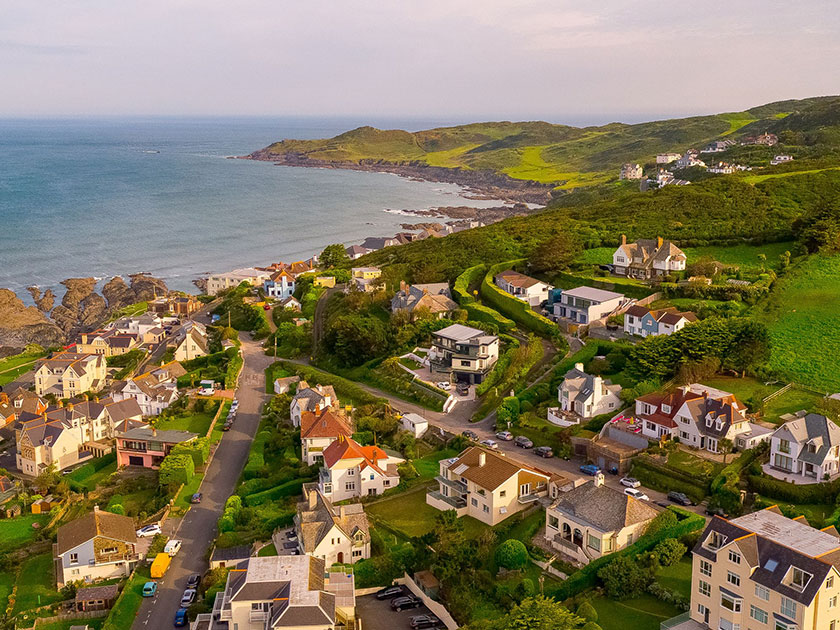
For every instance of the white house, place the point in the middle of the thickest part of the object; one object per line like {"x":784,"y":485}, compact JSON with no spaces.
{"x":221,"y":281}
{"x":585,"y":305}
{"x":586,"y":395}
{"x":643,"y":322}
{"x":280,"y":285}
{"x":522,"y":287}
{"x":155,"y":390}
{"x":631,"y":171}
{"x":336,"y":534}
{"x":311,"y":399}
{"x":414,"y":424}
{"x":192,"y":344}
{"x":647,"y":258}
{"x":319,"y":429}
{"x":140,"y":326}
{"x":667,"y":158}
{"x":70,"y":374}
{"x":351,"y":470}
{"x":805,"y":450}
{"x":466,"y":352}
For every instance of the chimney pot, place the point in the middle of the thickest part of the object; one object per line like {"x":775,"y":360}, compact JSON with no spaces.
{"x":624,"y":239}
{"x":342,"y":511}
{"x":482,"y":459}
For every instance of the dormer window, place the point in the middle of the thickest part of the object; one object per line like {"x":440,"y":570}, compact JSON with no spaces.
{"x":812,"y":448}
{"x":715,"y":540}
{"x":799,"y":579}
{"x":719,"y":424}
{"x":666,"y":408}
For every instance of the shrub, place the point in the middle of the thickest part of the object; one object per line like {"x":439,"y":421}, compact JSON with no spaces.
{"x":623,"y":578}
{"x":512,"y":554}
{"x":587,"y":612}
{"x":517,"y":310}
{"x":590,"y":625}
{"x":669,"y":552}
{"x":198,"y":449}
{"x":117,"y":508}
{"x":812,"y":493}
{"x":175,"y":470}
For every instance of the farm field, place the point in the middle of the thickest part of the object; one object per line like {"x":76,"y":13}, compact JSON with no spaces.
{"x":791,"y":401}
{"x":744,"y":256}
{"x":803,"y":319}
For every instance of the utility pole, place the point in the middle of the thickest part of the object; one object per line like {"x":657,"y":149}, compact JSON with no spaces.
{"x":275,"y":346}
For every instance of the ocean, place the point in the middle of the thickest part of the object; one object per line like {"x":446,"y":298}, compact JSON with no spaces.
{"x":109,"y":197}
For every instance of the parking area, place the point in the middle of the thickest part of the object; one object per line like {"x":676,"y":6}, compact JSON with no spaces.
{"x":286,"y":542}
{"x":377,"y":614}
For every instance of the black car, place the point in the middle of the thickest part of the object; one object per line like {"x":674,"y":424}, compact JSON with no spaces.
{"x":679,"y":497}
{"x":544,"y":451}
{"x":425,"y":621}
{"x":522,"y":442}
{"x":472,"y":435}
{"x":193,"y":580}
{"x":401,"y":603}
{"x":389,"y":592}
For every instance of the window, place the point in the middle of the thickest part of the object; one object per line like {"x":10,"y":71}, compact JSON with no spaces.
{"x":733,"y":578}
{"x":788,"y":608}
{"x":706,"y":568}
{"x":74,"y":558}
{"x":351,"y":472}
{"x":784,"y":446}
{"x":474,"y":502}
{"x":762,"y":592}
{"x":357,"y":553}
{"x":503,"y":493}
{"x":553,"y":522}
{"x":486,"y":509}
{"x":759,"y":615}
{"x":594,"y":543}
{"x":799,"y":579}
{"x":832,"y":602}
{"x":716,"y":540}
{"x":734,"y":556}
{"x":730,"y":603}
{"x":704,"y":588}
{"x":350,"y":485}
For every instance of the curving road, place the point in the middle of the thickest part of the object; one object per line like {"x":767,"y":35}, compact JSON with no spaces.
{"x":197,"y":529}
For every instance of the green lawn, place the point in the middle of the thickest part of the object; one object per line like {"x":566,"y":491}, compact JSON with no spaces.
{"x":677,"y":577}
{"x":195,"y":423}
{"x":745,"y":388}
{"x":693,"y":465}
{"x":35,"y":585}
{"x":754,"y":179}
{"x":15,"y":532}
{"x":642,"y":613}
{"x":742,"y":388}
{"x":189,"y":489}
{"x":7,"y":581}
{"x":93,"y":624}
{"x":268,"y":550}
{"x":410,"y":514}
{"x":428,"y":466}
{"x":125,"y":610}
{"x":803,"y":319}
{"x":89,"y":476}
{"x":134,"y":503}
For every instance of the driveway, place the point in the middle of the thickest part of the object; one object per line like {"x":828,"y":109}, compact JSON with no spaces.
{"x":197,"y":529}
{"x":377,"y":615}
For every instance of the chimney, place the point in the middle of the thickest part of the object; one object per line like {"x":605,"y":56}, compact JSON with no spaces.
{"x":342,"y":510}
{"x":60,"y":403}
{"x":579,"y":366}
{"x":96,"y":399}
{"x":154,"y":431}
{"x":313,"y":499}
{"x":95,"y":508}
{"x":599,"y":480}
{"x":402,"y":285}
{"x":659,"y":241}
{"x":69,"y":406}
{"x":624,"y":239}
{"x":482,"y":459}
{"x":4,"y":398}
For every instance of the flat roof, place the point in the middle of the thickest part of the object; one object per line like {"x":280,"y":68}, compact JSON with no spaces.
{"x":792,"y":534}
{"x":591,"y":293}
{"x":459,"y":332}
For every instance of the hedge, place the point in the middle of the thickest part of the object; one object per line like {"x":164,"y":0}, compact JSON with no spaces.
{"x":475,"y":311}
{"x":667,"y":479}
{"x":825,"y":493}
{"x":344,"y":388}
{"x":586,"y":578}
{"x":289,"y":489}
{"x":234,"y":366}
{"x":537,"y":394}
{"x":517,"y":310}
{"x":725,"y":488}
{"x":198,"y":449}
{"x":175,"y":470}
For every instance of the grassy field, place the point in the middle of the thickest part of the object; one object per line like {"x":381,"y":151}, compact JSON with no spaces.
{"x":803,"y":318}
{"x":744,"y":256}
{"x":89,"y":477}
{"x":754,"y":179}
{"x":92,"y":624}
{"x":428,"y":466}
{"x":7,"y":582}
{"x":642,"y":613}
{"x":410,"y":514}
{"x":35,"y":586}
{"x":11,"y":368}
{"x":693,"y":465}
{"x":15,"y":532}
{"x":268,"y":550}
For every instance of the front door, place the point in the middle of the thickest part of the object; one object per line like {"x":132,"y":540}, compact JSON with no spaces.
{"x":340,"y":557}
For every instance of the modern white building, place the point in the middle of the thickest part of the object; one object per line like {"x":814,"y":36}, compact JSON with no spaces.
{"x":522,"y":287}
{"x":805,"y":450}
{"x":280,"y":285}
{"x":587,"y":395}
{"x":585,"y":305}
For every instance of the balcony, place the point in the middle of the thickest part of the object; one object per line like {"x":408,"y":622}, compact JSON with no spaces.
{"x":257,"y":615}
{"x":524,"y":499}
{"x":457,"y":503}
{"x":457,"y":486}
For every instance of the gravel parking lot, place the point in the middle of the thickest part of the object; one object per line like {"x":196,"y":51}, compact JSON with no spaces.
{"x":377,"y":614}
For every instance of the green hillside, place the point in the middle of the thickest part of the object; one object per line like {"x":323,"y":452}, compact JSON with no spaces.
{"x":570,"y":156}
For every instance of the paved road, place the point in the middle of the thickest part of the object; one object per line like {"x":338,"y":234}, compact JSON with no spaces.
{"x":198,"y":528}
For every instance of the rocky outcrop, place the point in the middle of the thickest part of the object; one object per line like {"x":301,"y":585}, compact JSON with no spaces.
{"x":44,"y":302}
{"x":146,"y":287}
{"x":21,"y":325}
{"x":118,"y":293}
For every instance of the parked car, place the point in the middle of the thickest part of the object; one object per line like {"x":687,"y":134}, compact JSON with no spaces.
{"x":505,"y":436}
{"x":544,"y":451}
{"x":716,"y":511}
{"x":463,"y":389}
{"x":149,"y":589}
{"x":181,"y":617}
{"x":172,"y":547}
{"x":630,"y":482}
{"x":489,"y":443}
{"x":390,"y":592}
{"x":472,"y":435}
{"x":444,"y":385}
{"x":148,"y":530}
{"x":188,"y":597}
{"x":196,"y":498}
{"x":679,"y":497}
{"x":522,"y":442}
{"x":636,"y":494}
{"x":227,"y":426}
{"x":193,"y":581}
{"x":425,"y":621}
{"x":663,"y":504}
{"x":402,"y":603}
{"x":590,"y":469}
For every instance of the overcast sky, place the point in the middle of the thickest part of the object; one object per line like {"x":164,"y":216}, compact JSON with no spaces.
{"x":467,"y":59}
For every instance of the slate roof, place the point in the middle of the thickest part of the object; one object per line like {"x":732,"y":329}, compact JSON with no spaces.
{"x":644,"y":251}
{"x":581,"y":385}
{"x":669,"y":316}
{"x":497,"y":468}
{"x":224,"y":554}
{"x":604,"y":508}
{"x":813,"y":430}
{"x":92,"y":524}
{"x":459,"y":332}
{"x":94,"y":593}
{"x":592,"y":294}
{"x":316,"y":521}
{"x":436,"y":297}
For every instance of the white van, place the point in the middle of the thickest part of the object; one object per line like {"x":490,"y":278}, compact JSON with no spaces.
{"x":172,"y":547}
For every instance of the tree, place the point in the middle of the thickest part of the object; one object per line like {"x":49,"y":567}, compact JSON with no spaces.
{"x":538,"y":613}
{"x":556,"y":253}
{"x":512,"y":554}
{"x":333,"y":256}
{"x":725,"y":447}
{"x":668,"y":552}
{"x":623,"y":578}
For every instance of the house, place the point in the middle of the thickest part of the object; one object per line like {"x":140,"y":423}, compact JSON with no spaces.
{"x":357,"y":251}
{"x":319,"y":429}
{"x":154,"y":391}
{"x":351,"y":470}
{"x":373,"y":243}
{"x":522,"y":287}
{"x":324,"y":281}
{"x":364,"y":278}
{"x":465,"y":352}
{"x":223,"y":557}
{"x":641,"y":321}
{"x":434,"y":298}
{"x":767,"y":139}
{"x":594,"y":520}
{"x":486,"y":485}
{"x":20,"y":401}
{"x":722,"y":168}
{"x":58,"y":437}
{"x":700,"y":416}
{"x":183,"y":306}
{"x":147,"y":446}
{"x":96,"y":598}
{"x":70,"y":374}
{"x":193,"y":343}
{"x":301,"y":267}
{"x":647,"y":258}
{"x":631,"y":171}
{"x":290,"y":303}
{"x":586,"y":395}
{"x":98,"y":546}
{"x":780,"y":159}
{"x":805,"y":450}
{"x":763,"y":570}
{"x":139,"y":326}
{"x":312,"y":399}
{"x":284,"y":384}
{"x":689,"y":160}
{"x":295,"y":592}
{"x":124,"y":415}
{"x":718,"y":146}
{"x":222,"y":281}
{"x":584,"y":305}
{"x":108,"y":343}
{"x":414,"y":424}
{"x":335,"y":534}
{"x":280,"y":285}
{"x":667,"y":158}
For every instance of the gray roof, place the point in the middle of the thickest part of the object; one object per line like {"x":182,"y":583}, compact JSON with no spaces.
{"x":239,"y":552}
{"x":168,"y":437}
{"x":459,"y":332}
{"x":604,"y":508}
{"x":816,"y":431}
{"x":316,"y":522}
{"x":593,"y":294}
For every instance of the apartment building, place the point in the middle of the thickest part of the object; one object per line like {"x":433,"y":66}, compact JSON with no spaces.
{"x":221,"y":281}
{"x":764,"y":570}
{"x":70,"y":374}
{"x":107,"y":342}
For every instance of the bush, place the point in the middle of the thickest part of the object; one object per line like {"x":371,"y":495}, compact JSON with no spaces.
{"x":590,"y":625}
{"x":667,"y":479}
{"x":669,"y":552}
{"x":512,"y":554}
{"x":175,"y":470}
{"x":198,"y":449}
{"x":623,"y":578}
{"x":825,"y":493}
{"x":587,"y":612}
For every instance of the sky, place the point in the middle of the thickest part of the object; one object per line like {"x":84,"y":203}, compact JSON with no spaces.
{"x":556,"y":60}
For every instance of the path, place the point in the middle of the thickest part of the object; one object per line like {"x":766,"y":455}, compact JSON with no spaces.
{"x":197,"y":529}
{"x":318,"y":317}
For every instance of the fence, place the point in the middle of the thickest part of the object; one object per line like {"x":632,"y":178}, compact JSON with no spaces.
{"x":673,"y":622}
{"x":90,"y":614}
{"x":437,"y":608}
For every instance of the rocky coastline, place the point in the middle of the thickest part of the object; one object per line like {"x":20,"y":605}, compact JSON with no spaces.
{"x":481,"y":184}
